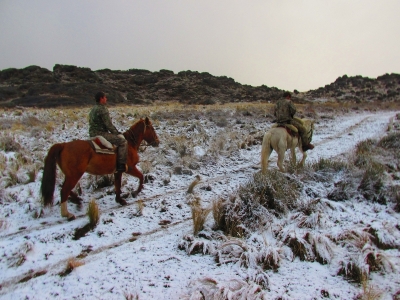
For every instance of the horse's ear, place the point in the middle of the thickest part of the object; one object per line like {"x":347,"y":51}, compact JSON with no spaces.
{"x":147,"y":121}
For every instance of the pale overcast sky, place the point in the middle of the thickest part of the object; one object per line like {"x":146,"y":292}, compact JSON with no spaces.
{"x":290,"y":44}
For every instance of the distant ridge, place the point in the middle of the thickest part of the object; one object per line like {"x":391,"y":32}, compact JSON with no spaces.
{"x":69,"y":85}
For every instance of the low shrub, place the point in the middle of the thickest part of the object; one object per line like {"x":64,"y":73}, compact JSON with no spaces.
{"x":324,"y":164}
{"x":391,"y":141}
{"x":254,"y":202}
{"x":9,"y":144}
{"x":365,"y":146}
{"x":371,"y":185}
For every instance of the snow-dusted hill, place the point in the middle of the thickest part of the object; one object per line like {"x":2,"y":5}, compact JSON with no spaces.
{"x":133,"y":252}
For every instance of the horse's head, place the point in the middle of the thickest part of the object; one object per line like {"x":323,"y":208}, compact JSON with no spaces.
{"x":149,"y":134}
{"x":309,"y":126}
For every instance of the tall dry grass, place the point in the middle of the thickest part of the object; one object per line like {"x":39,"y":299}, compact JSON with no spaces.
{"x":93,"y":213}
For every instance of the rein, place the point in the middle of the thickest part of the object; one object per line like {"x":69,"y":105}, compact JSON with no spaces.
{"x":133,"y":138}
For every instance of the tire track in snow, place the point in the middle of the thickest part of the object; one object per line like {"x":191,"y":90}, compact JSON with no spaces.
{"x":56,"y":268}
{"x":119,"y":207}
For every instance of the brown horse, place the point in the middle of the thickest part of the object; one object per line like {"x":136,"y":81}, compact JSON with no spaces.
{"x":77,"y":157}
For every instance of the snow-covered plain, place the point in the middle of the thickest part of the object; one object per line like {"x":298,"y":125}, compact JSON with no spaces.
{"x":133,"y":252}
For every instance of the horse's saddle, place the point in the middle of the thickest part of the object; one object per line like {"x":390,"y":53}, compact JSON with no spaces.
{"x":291,"y":129}
{"x":101,"y":145}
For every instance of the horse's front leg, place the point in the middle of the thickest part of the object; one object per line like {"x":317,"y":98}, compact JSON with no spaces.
{"x":281,"y":158}
{"x":293,"y":155}
{"x":304,"y":159}
{"x":135,"y":172}
{"x":117,"y":186}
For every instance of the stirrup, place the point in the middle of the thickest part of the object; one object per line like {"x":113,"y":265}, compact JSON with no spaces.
{"x":120,"y":168}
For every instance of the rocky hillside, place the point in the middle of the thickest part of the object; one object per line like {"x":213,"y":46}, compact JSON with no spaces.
{"x":359,"y":89}
{"x":74,"y":86}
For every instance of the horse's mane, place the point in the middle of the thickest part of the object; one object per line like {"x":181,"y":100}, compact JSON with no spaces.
{"x":136,"y":123}
{"x":130,"y":133}
{"x":309,"y":125}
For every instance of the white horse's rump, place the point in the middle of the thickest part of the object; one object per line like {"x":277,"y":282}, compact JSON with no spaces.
{"x":280,"y":140}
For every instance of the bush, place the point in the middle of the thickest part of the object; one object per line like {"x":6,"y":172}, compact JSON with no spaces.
{"x":324,"y":164}
{"x":391,"y":141}
{"x":8,"y":144}
{"x":365,"y":146}
{"x":371,"y":185}
{"x":250,"y":208}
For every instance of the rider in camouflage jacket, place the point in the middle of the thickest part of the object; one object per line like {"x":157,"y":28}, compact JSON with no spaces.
{"x":284,"y":113}
{"x":100,"y":124}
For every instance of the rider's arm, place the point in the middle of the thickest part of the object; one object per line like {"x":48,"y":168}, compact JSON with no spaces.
{"x":105,"y":115}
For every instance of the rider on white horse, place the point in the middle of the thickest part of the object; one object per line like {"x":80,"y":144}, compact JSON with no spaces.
{"x":284,"y":113}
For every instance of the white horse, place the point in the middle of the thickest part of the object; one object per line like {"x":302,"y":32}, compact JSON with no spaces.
{"x":279,"y":139}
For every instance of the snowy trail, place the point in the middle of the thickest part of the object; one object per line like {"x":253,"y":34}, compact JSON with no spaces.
{"x":114,"y":245}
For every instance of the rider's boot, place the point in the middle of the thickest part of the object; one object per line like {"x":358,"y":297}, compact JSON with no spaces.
{"x":308,"y":147}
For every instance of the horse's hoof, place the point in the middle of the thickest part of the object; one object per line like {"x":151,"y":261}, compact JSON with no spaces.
{"x":122,"y":202}
{"x":71,"y":218}
{"x":75,"y":200}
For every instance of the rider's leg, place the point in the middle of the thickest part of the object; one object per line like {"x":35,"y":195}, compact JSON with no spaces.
{"x":305,"y":140}
{"x":122,"y":152}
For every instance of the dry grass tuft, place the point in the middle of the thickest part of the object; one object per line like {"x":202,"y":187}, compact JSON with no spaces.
{"x":199,"y":216}
{"x":397,"y":200}
{"x":208,"y":288}
{"x":3,"y":224}
{"x":255,"y":202}
{"x":9,"y":144}
{"x":130,"y":296}
{"x":365,"y":147}
{"x":300,"y":246}
{"x":371,"y":185}
{"x":369,"y":291}
{"x":324,"y":164}
{"x":50,"y":126}
{"x":274,"y":191}
{"x":180,"y":145}
{"x":93,"y":213}
{"x":391,"y":141}
{"x":193,"y":184}
{"x":353,"y":270}
{"x":19,"y":257}
{"x":140,"y":207}
{"x":356,"y":237}
{"x":72,"y":264}
{"x":192,"y":245}
{"x":218,"y":207}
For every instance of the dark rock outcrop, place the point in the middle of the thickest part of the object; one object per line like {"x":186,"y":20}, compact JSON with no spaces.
{"x":360,"y":89}
{"x":75,"y":86}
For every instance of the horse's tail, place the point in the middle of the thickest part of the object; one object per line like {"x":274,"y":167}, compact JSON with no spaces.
{"x":265,"y":152}
{"x":49,"y":174}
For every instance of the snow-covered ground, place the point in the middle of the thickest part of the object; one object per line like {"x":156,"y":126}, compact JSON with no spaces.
{"x":133,"y":252}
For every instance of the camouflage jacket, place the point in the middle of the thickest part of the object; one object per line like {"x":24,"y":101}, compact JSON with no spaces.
{"x":100,"y":122}
{"x":284,"y":111}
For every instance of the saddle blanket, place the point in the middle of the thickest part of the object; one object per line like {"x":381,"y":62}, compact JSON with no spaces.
{"x":101,"y":145}
{"x":287,"y":126}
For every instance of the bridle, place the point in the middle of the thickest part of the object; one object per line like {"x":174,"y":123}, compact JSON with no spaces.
{"x":133,"y":138}
{"x":310,"y":133}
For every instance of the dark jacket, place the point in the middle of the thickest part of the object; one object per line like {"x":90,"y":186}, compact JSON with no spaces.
{"x":99,"y":121}
{"x":284,"y":111}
